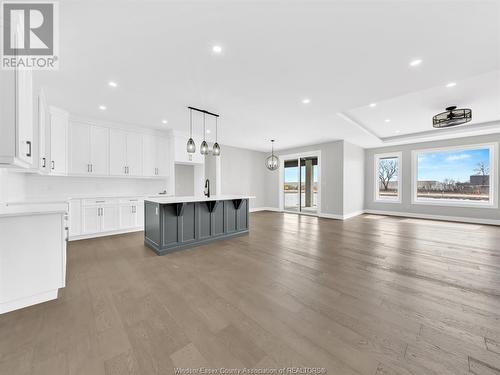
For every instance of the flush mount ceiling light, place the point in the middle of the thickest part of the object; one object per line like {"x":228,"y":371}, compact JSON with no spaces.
{"x":373,"y":105}
{"x":102,"y":107}
{"x":387,"y":120}
{"x":272,"y":161}
{"x":164,"y":122}
{"x":217,"y":49}
{"x":112,"y":84}
{"x":306,"y":101}
{"x":452,"y":117}
{"x":416,"y":62}
{"x":451,"y":84}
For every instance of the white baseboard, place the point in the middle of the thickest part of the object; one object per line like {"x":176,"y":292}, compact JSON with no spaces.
{"x":256,"y":209}
{"x":435,"y":217}
{"x":340,"y":217}
{"x":104,"y":234}
{"x":5,"y":307}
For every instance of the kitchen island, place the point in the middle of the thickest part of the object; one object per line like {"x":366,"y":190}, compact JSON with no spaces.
{"x":174,"y":223}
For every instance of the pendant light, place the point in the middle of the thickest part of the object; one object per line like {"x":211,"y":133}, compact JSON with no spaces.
{"x":216,"y":147}
{"x":272,"y":161}
{"x":204,"y":144}
{"x":191,"y":146}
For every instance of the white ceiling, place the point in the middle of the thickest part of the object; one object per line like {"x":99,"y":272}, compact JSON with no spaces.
{"x":342,"y":55}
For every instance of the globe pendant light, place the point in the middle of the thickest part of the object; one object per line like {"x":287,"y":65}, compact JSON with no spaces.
{"x":204,"y":144}
{"x":216,"y":147}
{"x":272,"y":161}
{"x":191,"y":146}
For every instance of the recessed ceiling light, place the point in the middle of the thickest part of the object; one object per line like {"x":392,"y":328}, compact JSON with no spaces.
{"x":373,"y":105}
{"x":208,"y":131}
{"x":306,"y":101}
{"x":164,"y":121}
{"x":416,"y":62}
{"x":451,"y":84}
{"x":217,"y":49}
{"x":387,"y":120}
{"x":112,"y":84}
{"x":397,"y":131}
{"x":102,"y":107}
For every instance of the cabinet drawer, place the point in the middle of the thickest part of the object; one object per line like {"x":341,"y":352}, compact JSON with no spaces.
{"x":98,"y":202}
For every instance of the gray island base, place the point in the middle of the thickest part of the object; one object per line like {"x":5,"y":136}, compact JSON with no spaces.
{"x":176,"y":223}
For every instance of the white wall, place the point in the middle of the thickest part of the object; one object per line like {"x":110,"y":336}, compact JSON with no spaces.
{"x":244,"y":172}
{"x":184,"y":179}
{"x":406,"y":205}
{"x":354,"y":179}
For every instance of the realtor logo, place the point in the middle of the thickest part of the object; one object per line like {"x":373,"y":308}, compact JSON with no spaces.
{"x":30,"y":35}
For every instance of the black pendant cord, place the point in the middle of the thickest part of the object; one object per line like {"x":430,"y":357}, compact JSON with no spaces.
{"x":204,"y":130}
{"x":190,"y":123}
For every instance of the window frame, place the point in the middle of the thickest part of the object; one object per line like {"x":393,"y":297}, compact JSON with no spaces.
{"x":492,"y":203}
{"x":377,"y":157}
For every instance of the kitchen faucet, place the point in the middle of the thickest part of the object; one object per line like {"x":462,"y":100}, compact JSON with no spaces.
{"x":207,"y":188}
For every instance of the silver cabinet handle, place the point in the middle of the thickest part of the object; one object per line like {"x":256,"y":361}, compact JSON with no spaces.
{"x":88,"y":168}
{"x":44,"y":162}
{"x":28,"y":154}
{"x":91,"y":168}
{"x":53,"y":164}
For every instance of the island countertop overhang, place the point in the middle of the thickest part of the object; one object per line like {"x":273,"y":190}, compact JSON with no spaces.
{"x":190,"y":199}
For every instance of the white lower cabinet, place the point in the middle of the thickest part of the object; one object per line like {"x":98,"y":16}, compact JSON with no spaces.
{"x":100,"y":216}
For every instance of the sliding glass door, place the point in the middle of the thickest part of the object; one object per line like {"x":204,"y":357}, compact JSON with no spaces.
{"x":300,"y":185}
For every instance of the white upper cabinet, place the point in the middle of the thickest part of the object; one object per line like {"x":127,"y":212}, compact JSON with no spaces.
{"x":134,"y":154}
{"x":99,"y":150}
{"x":149,"y":155}
{"x":59,"y":120}
{"x":162,"y":157}
{"x":89,"y":149}
{"x":181,"y":155}
{"x":16,"y":118}
{"x":155,"y":161}
{"x":125,"y":153}
{"x":43,"y":134}
{"x":117,"y":152}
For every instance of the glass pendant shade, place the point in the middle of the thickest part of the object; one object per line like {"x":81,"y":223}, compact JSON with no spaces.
{"x":216,"y":149}
{"x":272,"y":162}
{"x":191,"y":147}
{"x":204,"y":148}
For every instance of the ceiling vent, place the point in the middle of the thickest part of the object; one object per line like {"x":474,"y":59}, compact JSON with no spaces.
{"x":452,"y":117}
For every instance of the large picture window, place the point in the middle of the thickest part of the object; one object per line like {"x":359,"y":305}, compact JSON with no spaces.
{"x":459,"y":176}
{"x":388,"y":177}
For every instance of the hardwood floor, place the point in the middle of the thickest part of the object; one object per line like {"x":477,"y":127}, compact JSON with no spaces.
{"x":372,"y":295}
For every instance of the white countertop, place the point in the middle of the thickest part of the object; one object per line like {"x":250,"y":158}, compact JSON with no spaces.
{"x":189,"y":199}
{"x":33,"y":209}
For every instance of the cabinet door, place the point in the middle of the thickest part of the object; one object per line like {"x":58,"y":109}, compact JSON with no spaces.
{"x":127,"y":216}
{"x":110,"y":218}
{"x":24,"y":115}
{"x":117,"y":152}
{"x":134,"y":154}
{"x":99,"y":150}
{"x":162,"y":157}
{"x":91,"y":220}
{"x":149,"y":164}
{"x":58,"y":141}
{"x":43,"y":154}
{"x":79,"y":148}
